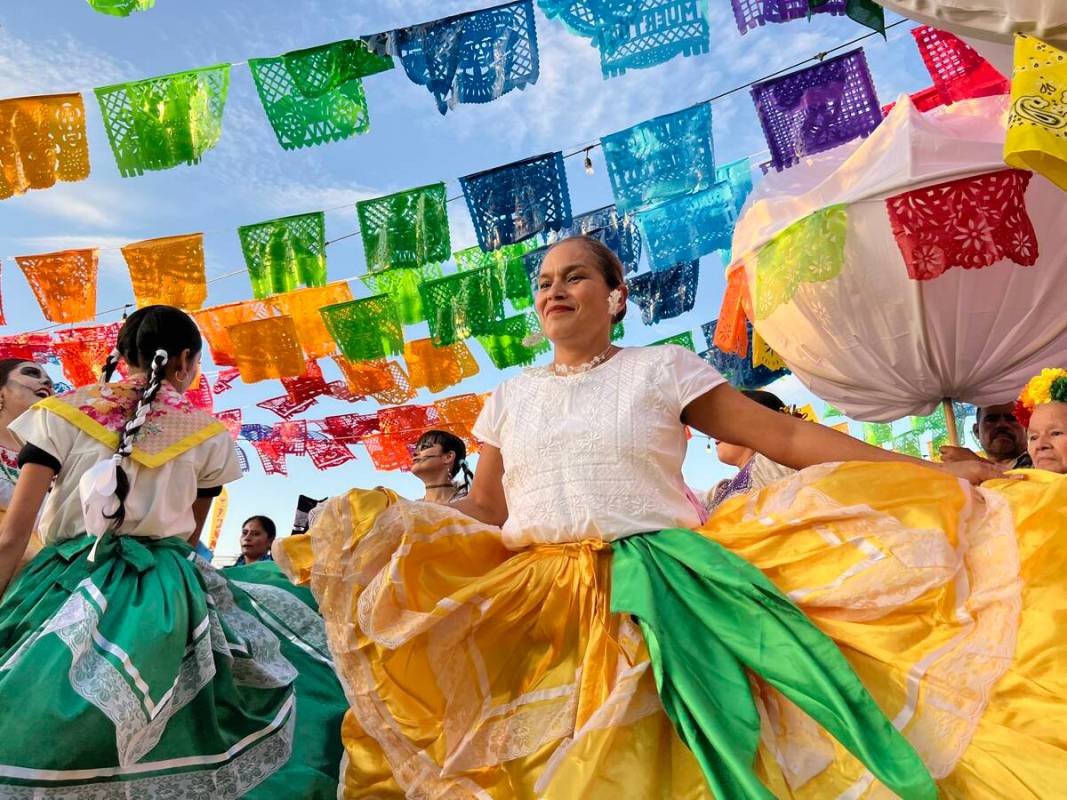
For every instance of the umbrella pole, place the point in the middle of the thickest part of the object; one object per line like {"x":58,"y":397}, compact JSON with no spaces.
{"x":950,"y":421}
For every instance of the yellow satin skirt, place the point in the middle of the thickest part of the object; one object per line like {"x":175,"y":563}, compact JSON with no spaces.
{"x":473,"y":671}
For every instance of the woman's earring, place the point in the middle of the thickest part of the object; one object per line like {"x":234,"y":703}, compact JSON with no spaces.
{"x":615,"y":301}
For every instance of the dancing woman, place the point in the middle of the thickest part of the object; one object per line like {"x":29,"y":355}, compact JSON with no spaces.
{"x":128,"y":666}
{"x":843,"y":633}
{"x":22,"y":383}
{"x":440,"y":456}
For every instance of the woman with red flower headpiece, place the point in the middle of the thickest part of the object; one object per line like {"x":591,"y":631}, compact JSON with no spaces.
{"x":1042,"y":409}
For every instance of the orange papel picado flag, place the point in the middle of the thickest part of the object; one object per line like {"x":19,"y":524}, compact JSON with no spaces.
{"x":267,"y":349}
{"x":215,"y":322}
{"x":64,"y":283}
{"x":437,"y":368}
{"x":42,"y":141}
{"x":218,"y":516}
{"x":168,"y":271}
{"x":303,"y":306}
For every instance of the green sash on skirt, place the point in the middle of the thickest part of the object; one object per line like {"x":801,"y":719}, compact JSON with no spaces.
{"x":138,"y":670}
{"x":707,"y":616}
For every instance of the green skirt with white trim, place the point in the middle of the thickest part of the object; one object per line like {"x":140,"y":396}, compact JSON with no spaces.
{"x":138,"y":670}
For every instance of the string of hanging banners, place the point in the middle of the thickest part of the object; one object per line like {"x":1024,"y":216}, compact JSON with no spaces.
{"x":280,"y":252}
{"x":410,"y":230}
{"x":315,"y":95}
{"x":673,"y":202}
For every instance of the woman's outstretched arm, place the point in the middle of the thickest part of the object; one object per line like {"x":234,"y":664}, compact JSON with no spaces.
{"x":727,"y":415}
{"x":485,"y":501}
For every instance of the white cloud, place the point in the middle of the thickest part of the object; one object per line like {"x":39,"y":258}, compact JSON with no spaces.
{"x":389,"y":14}
{"x":95,"y":205}
{"x":251,"y":178}
{"x":793,"y":392}
{"x":461,"y":228}
{"x":566,"y":108}
{"x":46,"y":244}
{"x":65,"y":65}
{"x":296,"y":195}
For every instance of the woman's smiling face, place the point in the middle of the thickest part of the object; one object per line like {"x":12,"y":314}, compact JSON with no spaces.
{"x":571,"y":295}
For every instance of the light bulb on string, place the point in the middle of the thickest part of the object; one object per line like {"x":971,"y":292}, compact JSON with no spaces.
{"x":588,"y":162}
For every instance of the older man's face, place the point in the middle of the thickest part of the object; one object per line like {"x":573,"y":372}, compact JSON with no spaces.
{"x":1001,"y":435}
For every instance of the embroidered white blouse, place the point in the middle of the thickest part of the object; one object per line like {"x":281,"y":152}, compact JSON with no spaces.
{"x":9,"y":467}
{"x":596,"y":455}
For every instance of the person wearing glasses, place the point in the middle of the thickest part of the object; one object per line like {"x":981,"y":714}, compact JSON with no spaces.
{"x":439,"y":457}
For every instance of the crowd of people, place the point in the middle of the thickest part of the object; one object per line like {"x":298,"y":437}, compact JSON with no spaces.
{"x":568,"y":622}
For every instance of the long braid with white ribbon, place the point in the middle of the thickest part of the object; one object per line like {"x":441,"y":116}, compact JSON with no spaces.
{"x":144,"y":405}
{"x":110,"y":365}
{"x":103,"y":488}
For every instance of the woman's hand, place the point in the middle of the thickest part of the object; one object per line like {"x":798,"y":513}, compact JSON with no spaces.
{"x":974,"y":471}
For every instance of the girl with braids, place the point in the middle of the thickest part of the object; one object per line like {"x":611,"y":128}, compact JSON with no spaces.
{"x":439,"y":457}
{"x":152,"y":675}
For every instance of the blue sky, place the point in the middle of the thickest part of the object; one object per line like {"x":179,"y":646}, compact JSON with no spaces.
{"x":49,"y":46}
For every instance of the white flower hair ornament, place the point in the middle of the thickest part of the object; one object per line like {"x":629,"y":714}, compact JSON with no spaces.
{"x":615,"y":301}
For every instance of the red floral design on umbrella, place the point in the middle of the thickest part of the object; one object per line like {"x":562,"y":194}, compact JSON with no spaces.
{"x":971,"y":223}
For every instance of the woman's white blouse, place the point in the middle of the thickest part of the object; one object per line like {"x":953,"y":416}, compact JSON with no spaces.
{"x":160,"y":500}
{"x":596,"y":455}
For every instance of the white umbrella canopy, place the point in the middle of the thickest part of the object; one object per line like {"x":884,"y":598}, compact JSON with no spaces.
{"x":872,"y":340}
{"x":991,"y":20}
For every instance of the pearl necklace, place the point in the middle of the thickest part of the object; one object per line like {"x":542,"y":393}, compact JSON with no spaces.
{"x":563,"y":370}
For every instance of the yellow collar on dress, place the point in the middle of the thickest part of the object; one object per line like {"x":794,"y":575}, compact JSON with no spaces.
{"x":174,"y":425}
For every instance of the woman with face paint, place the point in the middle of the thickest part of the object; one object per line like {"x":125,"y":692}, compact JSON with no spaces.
{"x":22,"y":383}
